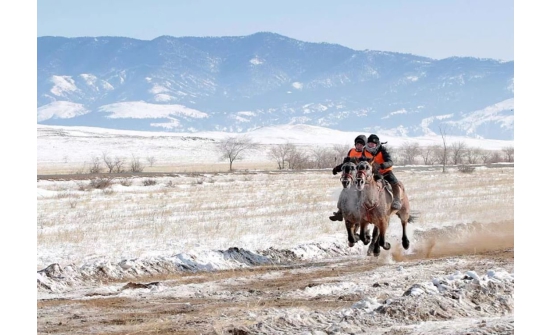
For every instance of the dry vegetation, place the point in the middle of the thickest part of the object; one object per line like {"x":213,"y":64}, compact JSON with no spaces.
{"x":465,"y":222}
{"x":250,"y":210}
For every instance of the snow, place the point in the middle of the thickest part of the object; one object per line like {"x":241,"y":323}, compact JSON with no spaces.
{"x":205,"y":222}
{"x":62,"y":84}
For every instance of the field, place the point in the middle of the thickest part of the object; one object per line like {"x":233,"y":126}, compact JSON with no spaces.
{"x":253,"y":252}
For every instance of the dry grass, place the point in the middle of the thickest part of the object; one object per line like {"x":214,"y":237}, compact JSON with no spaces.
{"x":254,"y":210}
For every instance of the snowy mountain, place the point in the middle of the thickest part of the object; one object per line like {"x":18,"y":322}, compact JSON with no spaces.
{"x":237,"y":84}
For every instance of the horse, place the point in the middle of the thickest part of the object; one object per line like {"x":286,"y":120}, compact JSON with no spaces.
{"x":375,"y":206}
{"x":348,"y":203}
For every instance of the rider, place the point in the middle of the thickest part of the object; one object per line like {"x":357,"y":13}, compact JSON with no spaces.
{"x":375,"y":150}
{"x":355,"y":152}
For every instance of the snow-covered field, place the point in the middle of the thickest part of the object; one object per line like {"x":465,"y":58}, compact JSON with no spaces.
{"x":253,"y":251}
{"x":71,"y":149}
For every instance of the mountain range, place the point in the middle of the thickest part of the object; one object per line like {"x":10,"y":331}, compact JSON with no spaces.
{"x":238,"y":84}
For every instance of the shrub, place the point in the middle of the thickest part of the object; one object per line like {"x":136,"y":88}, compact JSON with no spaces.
{"x":466,"y":168}
{"x":149,"y":182}
{"x":100,"y":183}
{"x":126,"y":182}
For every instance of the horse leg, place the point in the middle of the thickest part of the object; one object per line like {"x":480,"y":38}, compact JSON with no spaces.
{"x":367,"y":235}
{"x":352,"y":235}
{"x":363,"y":235}
{"x":374,"y":247}
{"x":405,"y":217}
{"x":382,"y":239}
{"x":404,"y":239}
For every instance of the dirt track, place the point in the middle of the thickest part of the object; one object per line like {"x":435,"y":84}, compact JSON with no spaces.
{"x":293,"y":298}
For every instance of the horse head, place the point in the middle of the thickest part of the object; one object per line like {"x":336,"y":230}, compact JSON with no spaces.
{"x":364,"y":174}
{"x":348,"y":174}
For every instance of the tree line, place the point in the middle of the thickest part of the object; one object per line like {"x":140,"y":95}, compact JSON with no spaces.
{"x":293,"y":157}
{"x":290,"y":156}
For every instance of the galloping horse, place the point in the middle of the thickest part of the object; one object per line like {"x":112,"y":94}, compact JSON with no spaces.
{"x":375,"y":207}
{"x":348,"y":202}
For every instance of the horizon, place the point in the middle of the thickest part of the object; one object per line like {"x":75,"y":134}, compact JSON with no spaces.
{"x":268,"y":32}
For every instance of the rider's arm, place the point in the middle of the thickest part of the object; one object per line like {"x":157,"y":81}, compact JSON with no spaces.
{"x":388,"y":163}
{"x":337,"y":168}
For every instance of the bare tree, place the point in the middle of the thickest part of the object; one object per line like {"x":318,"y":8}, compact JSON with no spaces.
{"x":118,"y":164}
{"x":109,"y":162}
{"x":428,"y":154}
{"x":95,"y":166}
{"x":495,"y":157}
{"x":409,"y":150}
{"x":115,"y":165}
{"x":341,"y":152}
{"x":444,"y":153}
{"x":151,"y":160}
{"x":136,"y":165}
{"x":485,"y":156}
{"x":457,"y":152}
{"x":234,"y":147}
{"x":298,"y":160}
{"x":472,"y":155}
{"x":322,"y":157}
{"x":281,"y":153}
{"x":509,"y":153}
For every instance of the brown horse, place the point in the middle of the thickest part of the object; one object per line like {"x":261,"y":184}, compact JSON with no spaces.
{"x":348,"y":203}
{"x":375,"y":207}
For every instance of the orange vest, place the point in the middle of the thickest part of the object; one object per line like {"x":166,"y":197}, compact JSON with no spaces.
{"x":378,"y":159}
{"x":352,"y":153}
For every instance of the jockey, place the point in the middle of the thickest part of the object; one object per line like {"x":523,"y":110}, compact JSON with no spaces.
{"x":355,"y":152}
{"x":376,"y":151}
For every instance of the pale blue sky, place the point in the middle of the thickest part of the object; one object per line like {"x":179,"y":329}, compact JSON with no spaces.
{"x":431,"y":28}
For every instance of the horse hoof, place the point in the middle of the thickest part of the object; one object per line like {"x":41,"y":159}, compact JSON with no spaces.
{"x":376,"y":254}
{"x":406,"y":244}
{"x":387,"y":246}
{"x":351,"y":244}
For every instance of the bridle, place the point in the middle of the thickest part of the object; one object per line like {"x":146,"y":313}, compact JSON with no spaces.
{"x":347,"y":174}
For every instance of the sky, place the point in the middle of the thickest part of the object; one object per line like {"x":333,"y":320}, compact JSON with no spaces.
{"x":431,"y":28}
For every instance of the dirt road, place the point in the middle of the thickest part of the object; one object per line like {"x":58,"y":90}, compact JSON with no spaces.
{"x":349,"y":295}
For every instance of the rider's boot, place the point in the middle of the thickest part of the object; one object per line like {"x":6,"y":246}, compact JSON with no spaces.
{"x":396,"y":203}
{"x":337,"y":216}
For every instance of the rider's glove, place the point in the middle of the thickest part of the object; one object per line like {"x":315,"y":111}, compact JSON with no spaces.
{"x":335,"y":171}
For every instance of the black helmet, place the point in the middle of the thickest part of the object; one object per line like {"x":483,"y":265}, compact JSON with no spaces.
{"x":361,"y":139}
{"x":373,"y":139}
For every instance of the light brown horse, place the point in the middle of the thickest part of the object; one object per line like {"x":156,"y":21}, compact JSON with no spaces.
{"x":375,"y":207}
{"x":348,"y":203}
